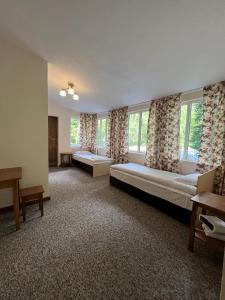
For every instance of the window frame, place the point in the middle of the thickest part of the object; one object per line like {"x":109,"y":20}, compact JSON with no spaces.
{"x":71,"y":144}
{"x":189,"y":104}
{"x":139,"y":130}
{"x":106,"y":136}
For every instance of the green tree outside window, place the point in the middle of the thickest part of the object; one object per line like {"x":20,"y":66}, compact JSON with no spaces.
{"x":191,"y":115}
{"x":74,"y":131}
{"x":138,"y":124}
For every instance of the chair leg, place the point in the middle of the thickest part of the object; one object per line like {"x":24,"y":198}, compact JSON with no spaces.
{"x":24,"y":210}
{"x":41,"y":205}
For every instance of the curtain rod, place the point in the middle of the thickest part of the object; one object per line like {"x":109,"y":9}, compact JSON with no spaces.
{"x":182,"y":93}
{"x":148,"y":101}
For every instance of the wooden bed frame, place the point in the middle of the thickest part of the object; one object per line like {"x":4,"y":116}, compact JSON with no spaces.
{"x":177,"y":212}
{"x":205,"y":181}
{"x":204,"y":184}
{"x":95,"y":170}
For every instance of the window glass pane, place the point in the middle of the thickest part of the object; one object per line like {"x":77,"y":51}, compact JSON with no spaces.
{"x":183,"y":120}
{"x":144,"y":126}
{"x":195,"y":131}
{"x":104,"y":132}
{"x":74,"y":131}
{"x":133,"y":131}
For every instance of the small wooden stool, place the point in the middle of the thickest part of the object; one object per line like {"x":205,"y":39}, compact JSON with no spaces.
{"x":29,"y":195}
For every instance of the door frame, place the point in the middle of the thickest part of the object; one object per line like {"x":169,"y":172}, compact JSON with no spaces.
{"x":57,"y":146}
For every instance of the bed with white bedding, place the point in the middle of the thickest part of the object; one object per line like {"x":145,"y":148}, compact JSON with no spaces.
{"x":173,"y":187}
{"x":97,"y":165}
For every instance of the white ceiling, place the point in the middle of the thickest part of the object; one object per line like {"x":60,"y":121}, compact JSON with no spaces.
{"x":121,"y":52}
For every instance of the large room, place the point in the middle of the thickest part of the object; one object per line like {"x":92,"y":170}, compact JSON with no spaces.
{"x":112,"y":156}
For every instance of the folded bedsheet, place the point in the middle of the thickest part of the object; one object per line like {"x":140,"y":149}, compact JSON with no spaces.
{"x":214,"y":224}
{"x":211,"y":234}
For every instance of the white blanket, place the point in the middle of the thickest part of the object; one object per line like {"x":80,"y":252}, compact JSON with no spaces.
{"x":161,"y":177}
{"x":92,"y":157}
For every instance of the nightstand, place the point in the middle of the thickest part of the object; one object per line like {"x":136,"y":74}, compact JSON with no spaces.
{"x":66,"y":159}
{"x":207,"y":203}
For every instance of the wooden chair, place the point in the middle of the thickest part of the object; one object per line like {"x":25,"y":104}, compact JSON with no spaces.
{"x":31,"y":195}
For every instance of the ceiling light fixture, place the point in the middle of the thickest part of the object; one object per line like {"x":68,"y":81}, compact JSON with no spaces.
{"x":62,"y":93}
{"x":69,"y":91}
{"x":76,"y":97}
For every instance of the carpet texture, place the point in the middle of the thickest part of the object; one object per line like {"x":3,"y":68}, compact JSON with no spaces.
{"x":97,"y":242}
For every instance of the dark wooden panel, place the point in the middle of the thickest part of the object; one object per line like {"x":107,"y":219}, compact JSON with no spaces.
{"x":53,"y":141}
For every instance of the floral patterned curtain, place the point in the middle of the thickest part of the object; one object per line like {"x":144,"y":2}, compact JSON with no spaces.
{"x":212,"y":150}
{"x":117,"y":146}
{"x":163,"y":134}
{"x":88,"y":128}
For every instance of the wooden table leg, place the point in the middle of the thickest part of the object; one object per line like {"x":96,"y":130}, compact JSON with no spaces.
{"x":192,"y":229}
{"x":16,"y":204}
{"x":41,"y":205}
{"x":204,"y":211}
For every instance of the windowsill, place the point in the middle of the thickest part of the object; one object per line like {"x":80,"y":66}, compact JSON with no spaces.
{"x":143,"y":154}
{"x":74,"y":145}
{"x":189,"y":161}
{"x":138,"y":153}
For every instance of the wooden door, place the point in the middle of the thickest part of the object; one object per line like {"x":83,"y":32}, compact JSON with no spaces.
{"x":52,"y":141}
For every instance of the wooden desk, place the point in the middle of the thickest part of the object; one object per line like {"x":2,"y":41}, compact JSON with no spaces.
{"x":213,"y":203}
{"x":9,"y":178}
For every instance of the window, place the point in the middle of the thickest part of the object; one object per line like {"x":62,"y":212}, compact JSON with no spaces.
{"x":102,"y":132}
{"x":138,"y":123}
{"x":190,"y":130}
{"x":74,"y":131}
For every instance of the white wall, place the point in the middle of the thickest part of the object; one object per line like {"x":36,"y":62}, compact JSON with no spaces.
{"x":64,"y":115}
{"x":23,"y":116}
{"x":138,"y":158}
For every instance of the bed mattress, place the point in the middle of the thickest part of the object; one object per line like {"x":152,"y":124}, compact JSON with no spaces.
{"x":91,"y":159}
{"x":164,"y":178}
{"x":158,"y":183}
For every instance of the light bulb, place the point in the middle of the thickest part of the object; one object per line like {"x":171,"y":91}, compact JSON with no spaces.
{"x":76,"y":97}
{"x":70,"y":91}
{"x":62,"y":93}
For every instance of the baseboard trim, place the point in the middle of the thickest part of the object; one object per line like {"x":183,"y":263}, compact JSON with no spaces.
{"x":8,"y":208}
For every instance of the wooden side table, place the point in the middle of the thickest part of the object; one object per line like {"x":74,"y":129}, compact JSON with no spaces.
{"x":9,"y":178}
{"x":207,"y":202}
{"x":66,"y":159}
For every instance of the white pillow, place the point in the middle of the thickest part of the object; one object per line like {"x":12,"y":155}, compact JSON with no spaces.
{"x":83,"y":152}
{"x":190,"y":179}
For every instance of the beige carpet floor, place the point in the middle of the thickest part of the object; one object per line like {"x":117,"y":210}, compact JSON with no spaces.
{"x":97,"y":242}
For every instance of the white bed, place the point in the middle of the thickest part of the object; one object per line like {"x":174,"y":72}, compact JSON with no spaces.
{"x":98,"y":165}
{"x":162,"y":184}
